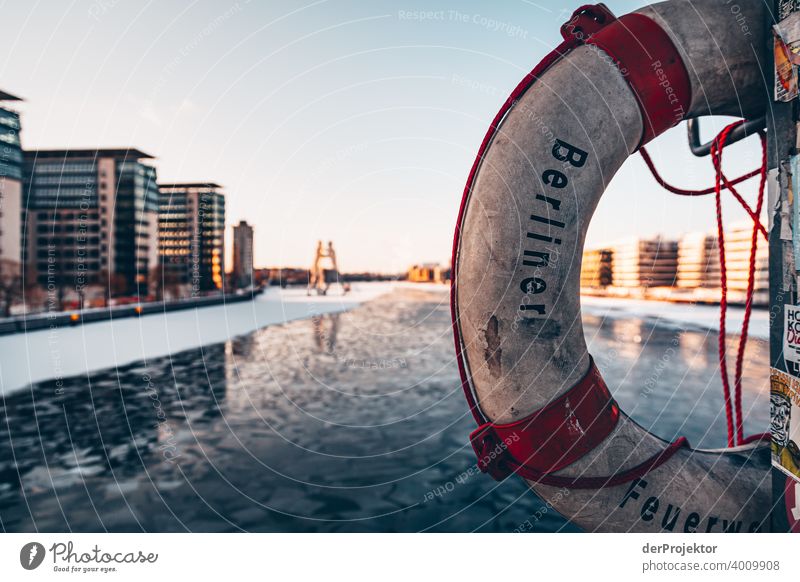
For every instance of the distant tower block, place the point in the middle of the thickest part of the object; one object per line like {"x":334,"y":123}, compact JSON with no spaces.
{"x":243,"y":255}
{"x":324,"y":271}
{"x":738,"y":238}
{"x":643,"y":263}
{"x":11,"y":208}
{"x":597,"y":268}
{"x":698,"y":261}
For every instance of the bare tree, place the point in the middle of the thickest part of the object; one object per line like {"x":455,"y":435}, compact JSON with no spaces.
{"x":113,"y":284}
{"x":157,"y":283}
{"x":10,"y":285}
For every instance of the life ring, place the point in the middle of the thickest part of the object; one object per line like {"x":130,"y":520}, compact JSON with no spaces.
{"x":543,"y":408}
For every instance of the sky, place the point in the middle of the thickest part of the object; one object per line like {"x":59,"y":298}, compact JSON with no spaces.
{"x":355,"y":122}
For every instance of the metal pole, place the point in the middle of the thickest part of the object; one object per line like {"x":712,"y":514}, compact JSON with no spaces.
{"x":782,"y":157}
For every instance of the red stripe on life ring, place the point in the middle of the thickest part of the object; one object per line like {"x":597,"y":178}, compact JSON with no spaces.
{"x":652,"y":66}
{"x":555,"y":436}
{"x":559,"y":434}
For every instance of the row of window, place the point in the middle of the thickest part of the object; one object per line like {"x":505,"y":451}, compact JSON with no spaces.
{"x":67,"y":266}
{"x":88,"y":193}
{"x":10,"y":137}
{"x":10,"y":170}
{"x":64,"y":168}
{"x":90,"y":215}
{"x":92,"y":253}
{"x":9,"y":119}
{"x":11,"y":154}
{"x":69,"y":241}
{"x":57,"y":228}
{"x":135,"y":168}
{"x":66,"y":179}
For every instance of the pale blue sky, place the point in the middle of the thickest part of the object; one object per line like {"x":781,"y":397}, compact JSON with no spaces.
{"x":350,"y":121}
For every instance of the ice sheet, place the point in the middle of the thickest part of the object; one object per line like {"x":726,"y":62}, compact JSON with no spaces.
{"x":677,"y":314}
{"x":70,"y":351}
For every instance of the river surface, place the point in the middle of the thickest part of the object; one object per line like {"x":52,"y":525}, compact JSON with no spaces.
{"x":343,"y":422}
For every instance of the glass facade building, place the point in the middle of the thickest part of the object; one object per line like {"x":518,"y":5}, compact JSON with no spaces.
{"x":10,"y":145}
{"x":243,"y":255}
{"x":92,"y":218}
{"x":136,"y":222}
{"x":10,"y":190}
{"x":192,"y":236}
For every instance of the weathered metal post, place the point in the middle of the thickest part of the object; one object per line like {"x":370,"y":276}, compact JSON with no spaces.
{"x":784,"y":238}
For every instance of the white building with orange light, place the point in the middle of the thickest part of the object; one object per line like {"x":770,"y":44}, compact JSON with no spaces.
{"x":191,"y":230}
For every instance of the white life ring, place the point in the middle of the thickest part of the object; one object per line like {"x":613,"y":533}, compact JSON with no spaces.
{"x":544,"y":410}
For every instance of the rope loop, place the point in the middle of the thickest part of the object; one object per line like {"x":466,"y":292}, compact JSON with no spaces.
{"x":733,"y":405}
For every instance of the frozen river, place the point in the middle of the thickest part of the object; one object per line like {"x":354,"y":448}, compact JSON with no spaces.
{"x":345,"y":421}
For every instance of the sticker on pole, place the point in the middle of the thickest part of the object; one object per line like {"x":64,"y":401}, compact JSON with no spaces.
{"x":791,"y":339}
{"x":791,"y":495}
{"x":784,"y":399}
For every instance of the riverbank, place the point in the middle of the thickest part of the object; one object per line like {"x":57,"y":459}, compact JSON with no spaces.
{"x":63,"y":352}
{"x":51,"y":320}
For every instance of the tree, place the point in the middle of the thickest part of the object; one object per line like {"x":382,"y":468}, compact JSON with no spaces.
{"x":33,"y":295}
{"x":113,"y":284}
{"x":157,"y":282}
{"x":10,"y":285}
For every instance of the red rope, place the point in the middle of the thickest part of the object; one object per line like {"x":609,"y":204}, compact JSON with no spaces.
{"x":733,"y":405}
{"x":710,"y":190}
{"x":716,"y":155}
{"x":748,"y":306}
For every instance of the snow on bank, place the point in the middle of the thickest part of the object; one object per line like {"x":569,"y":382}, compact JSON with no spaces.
{"x":676,"y":314}
{"x":70,"y":351}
